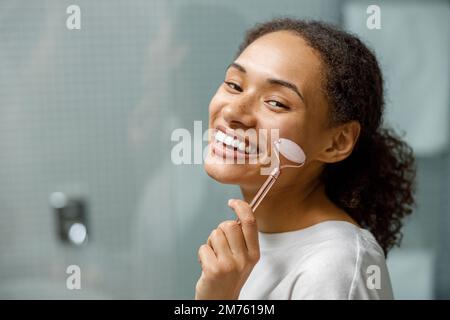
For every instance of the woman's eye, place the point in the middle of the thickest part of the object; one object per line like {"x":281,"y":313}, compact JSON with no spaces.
{"x":231,"y":84}
{"x":278,"y":104}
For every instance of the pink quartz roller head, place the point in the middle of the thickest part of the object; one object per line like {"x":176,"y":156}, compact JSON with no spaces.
{"x":292,"y":152}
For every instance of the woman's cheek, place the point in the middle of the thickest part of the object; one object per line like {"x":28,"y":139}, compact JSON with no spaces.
{"x":295,"y":131}
{"x":217,"y":101}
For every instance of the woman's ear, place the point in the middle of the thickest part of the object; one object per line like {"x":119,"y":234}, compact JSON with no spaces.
{"x":342,"y":141}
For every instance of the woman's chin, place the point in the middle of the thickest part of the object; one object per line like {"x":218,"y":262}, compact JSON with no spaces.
{"x":240,"y":172}
{"x":227,"y":173}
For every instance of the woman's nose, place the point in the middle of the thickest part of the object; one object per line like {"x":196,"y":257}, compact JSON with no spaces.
{"x":241,"y":112}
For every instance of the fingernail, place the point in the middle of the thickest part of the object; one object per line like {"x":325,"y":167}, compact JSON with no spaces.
{"x":230,"y":201}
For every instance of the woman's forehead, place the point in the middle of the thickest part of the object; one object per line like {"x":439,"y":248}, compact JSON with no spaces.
{"x":281,"y":54}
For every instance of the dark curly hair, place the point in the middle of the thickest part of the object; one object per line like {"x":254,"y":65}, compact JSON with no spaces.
{"x":376,"y":183}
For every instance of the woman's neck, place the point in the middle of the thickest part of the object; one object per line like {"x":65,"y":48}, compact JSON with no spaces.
{"x":289,"y":209}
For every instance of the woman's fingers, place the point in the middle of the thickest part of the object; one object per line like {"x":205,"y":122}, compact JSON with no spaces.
{"x":231,"y":252}
{"x":232,"y":239}
{"x":248,"y":225}
{"x":206,"y":256}
{"x":218,"y":242}
{"x":235,"y":237}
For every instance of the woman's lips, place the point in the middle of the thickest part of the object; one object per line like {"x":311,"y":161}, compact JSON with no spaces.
{"x":235,"y":153}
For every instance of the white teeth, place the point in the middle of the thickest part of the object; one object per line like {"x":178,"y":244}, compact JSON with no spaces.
{"x":229,"y":141}
{"x":220,"y":136}
{"x":234,"y":143}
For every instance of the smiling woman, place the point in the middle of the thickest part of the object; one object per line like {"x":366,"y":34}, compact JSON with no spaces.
{"x":323,"y":230}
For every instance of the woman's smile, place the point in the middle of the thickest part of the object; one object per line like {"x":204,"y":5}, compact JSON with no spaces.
{"x":229,"y":141}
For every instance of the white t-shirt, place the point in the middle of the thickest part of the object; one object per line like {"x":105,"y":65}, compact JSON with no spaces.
{"x":329,"y":260}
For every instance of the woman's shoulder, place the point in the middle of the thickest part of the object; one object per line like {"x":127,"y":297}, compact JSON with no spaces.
{"x":341,"y":258}
{"x":343,"y":241}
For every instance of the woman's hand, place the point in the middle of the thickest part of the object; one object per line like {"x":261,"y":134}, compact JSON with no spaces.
{"x":229,"y":256}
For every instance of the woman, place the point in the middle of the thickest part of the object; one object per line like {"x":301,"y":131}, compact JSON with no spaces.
{"x":323,"y":230}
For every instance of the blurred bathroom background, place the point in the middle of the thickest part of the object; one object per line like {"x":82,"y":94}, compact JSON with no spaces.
{"x":86,"y":176}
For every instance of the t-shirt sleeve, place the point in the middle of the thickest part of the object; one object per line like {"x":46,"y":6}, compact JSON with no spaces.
{"x":343,"y":271}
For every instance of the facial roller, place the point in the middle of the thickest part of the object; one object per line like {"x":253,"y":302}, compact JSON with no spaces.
{"x":291,"y":151}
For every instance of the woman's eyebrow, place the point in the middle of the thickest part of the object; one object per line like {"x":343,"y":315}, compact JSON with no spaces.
{"x":280,"y":82}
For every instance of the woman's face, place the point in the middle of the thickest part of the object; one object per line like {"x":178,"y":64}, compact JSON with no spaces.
{"x":292,"y":103}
